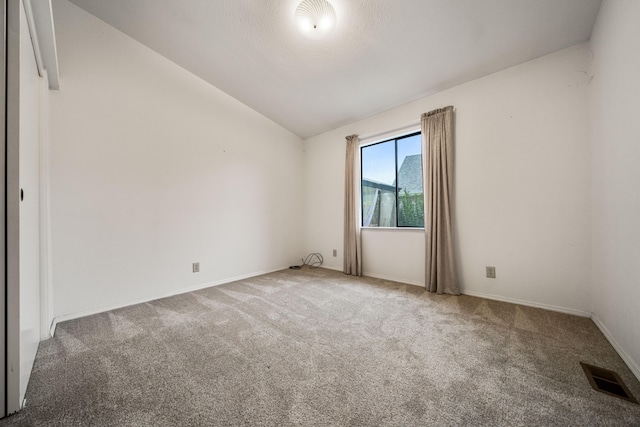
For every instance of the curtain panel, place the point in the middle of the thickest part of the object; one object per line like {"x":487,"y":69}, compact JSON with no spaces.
{"x":437,"y":167}
{"x":352,"y":239}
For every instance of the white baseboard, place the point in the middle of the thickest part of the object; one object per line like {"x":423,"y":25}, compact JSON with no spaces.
{"x":549,"y":307}
{"x":78,"y":315}
{"x":632,"y":364}
{"x":565,"y":310}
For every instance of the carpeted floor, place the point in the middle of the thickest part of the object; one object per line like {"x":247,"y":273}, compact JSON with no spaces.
{"x":318,"y":348}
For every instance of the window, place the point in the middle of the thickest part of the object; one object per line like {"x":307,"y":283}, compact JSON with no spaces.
{"x":392,"y":194}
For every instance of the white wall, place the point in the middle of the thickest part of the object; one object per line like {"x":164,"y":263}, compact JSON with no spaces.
{"x":522,"y":186}
{"x":615,"y":102}
{"x":153,"y":169}
{"x":30,"y":96}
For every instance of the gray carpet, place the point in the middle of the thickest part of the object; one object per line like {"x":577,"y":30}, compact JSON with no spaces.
{"x":317,"y":348}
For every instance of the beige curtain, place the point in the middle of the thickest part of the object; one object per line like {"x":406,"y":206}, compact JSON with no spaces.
{"x":437,"y":167}
{"x":352,"y":246}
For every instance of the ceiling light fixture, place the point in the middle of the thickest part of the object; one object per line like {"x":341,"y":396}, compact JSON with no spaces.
{"x":315,"y":18}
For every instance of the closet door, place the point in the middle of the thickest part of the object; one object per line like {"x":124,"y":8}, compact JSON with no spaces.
{"x":29,"y":177}
{"x":12,"y":398}
{"x":23,"y":92}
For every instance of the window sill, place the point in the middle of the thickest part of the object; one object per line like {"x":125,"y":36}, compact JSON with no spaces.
{"x":394,"y":228}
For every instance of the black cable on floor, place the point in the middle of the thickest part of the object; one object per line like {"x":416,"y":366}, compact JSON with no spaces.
{"x":313,"y":260}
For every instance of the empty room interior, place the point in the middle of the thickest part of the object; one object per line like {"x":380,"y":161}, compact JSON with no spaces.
{"x":199,"y":230}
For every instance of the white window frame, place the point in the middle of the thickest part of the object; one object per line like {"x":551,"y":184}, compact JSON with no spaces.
{"x":372,"y":139}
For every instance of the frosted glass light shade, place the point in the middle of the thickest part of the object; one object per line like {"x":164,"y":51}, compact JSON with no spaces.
{"x":315,"y":18}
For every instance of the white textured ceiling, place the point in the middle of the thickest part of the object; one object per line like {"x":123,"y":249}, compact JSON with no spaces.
{"x":382,"y":53}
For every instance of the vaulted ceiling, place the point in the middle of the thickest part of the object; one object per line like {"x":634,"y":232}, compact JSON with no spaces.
{"x":381,"y":53}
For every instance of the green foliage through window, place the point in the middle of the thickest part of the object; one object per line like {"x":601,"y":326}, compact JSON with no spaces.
{"x":411,"y":209}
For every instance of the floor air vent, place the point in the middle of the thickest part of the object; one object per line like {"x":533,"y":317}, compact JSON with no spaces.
{"x":607,"y":381}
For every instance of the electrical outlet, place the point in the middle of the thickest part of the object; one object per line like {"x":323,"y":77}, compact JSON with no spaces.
{"x":491,"y":272}
{"x":335,"y":252}
{"x":196,"y":267}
